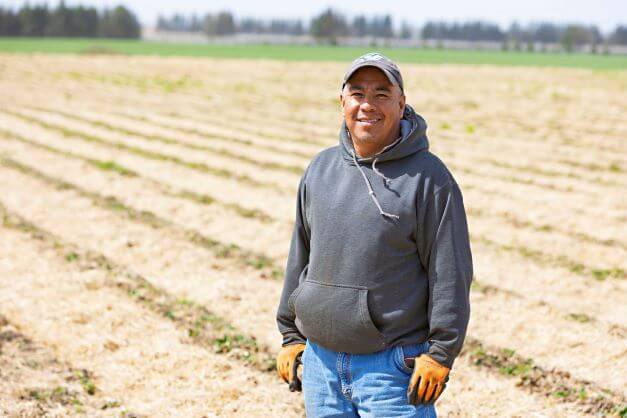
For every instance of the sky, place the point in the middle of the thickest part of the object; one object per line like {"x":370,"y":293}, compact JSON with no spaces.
{"x":607,"y":14}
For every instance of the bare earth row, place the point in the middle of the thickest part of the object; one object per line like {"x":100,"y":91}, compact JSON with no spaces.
{"x":167,"y":265}
{"x":537,"y":282}
{"x":163,"y":270}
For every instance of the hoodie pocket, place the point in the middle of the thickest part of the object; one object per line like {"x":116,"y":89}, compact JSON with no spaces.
{"x":337,"y":317}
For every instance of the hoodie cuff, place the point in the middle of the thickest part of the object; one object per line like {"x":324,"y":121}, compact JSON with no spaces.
{"x":441,"y":356}
{"x":291,"y":339}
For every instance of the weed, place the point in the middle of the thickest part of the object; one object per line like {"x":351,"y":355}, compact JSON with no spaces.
{"x":71,"y":256}
{"x":517,"y":369}
{"x":579,"y":317}
{"x":110,"y":405}
{"x":615,"y":168}
{"x":85,"y":379}
{"x":113,"y":166}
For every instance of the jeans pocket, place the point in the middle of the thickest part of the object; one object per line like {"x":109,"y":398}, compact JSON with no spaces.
{"x":409,"y":351}
{"x":399,"y":360}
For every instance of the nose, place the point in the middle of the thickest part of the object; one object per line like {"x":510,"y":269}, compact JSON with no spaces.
{"x":367,"y":105}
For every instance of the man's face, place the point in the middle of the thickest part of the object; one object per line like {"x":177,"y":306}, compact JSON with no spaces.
{"x":373,"y":107}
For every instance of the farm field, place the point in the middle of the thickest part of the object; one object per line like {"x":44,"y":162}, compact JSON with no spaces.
{"x":147,"y":207}
{"x":90,"y":46}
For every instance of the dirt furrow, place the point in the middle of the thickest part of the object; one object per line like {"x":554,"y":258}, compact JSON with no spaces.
{"x":548,"y":247}
{"x":601,"y":227}
{"x":211,"y":220}
{"x":124,"y":98}
{"x":273,"y":158}
{"x":286,"y":181}
{"x":166,"y":171}
{"x":541,"y":177}
{"x":463,"y":392}
{"x":142,"y":358}
{"x":209,"y":162}
{"x":260,"y":113}
{"x":527,"y":159}
{"x":34,"y":383}
{"x":541,"y":380}
{"x":546,"y":284}
{"x":540,"y":216}
{"x":180,"y":267}
{"x":148,"y":204}
{"x":580,"y":268}
{"x":594,"y":218}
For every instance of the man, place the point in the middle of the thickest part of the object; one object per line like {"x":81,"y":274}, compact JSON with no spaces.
{"x":376,"y":292}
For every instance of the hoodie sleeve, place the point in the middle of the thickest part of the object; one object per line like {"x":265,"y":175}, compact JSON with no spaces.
{"x":446,"y":255}
{"x":297,"y":263}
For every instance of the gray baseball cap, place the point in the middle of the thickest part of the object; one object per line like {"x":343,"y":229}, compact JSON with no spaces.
{"x":374,"y":59}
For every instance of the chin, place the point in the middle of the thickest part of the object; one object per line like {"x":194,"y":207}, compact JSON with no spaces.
{"x":367,"y":137}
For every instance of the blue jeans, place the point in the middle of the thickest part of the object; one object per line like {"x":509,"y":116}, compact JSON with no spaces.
{"x":360,"y":385}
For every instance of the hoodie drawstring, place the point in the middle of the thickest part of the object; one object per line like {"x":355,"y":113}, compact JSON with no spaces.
{"x":374,"y":168}
{"x":370,"y":191}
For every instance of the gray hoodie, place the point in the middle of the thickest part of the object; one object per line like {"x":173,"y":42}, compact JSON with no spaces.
{"x":380,"y":254}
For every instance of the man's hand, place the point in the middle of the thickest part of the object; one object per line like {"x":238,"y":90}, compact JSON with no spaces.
{"x":285,"y":363}
{"x":427,"y":381}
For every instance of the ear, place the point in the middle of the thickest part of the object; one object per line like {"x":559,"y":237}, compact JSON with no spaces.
{"x":342,"y":99}
{"x":401,"y":102}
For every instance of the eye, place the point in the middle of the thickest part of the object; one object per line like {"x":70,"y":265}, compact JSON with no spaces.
{"x":357,"y":94}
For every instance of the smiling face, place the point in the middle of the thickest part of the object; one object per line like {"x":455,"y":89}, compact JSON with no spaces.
{"x":373,"y":108}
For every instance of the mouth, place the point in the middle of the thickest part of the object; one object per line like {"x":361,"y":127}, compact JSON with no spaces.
{"x":368,"y":121}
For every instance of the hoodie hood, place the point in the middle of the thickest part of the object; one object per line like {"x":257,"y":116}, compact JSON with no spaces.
{"x":413,"y":138}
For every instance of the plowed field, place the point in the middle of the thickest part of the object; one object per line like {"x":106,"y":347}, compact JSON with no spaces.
{"x":147,"y":207}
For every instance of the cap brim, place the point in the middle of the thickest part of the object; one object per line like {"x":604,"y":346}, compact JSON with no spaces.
{"x":352,"y":71}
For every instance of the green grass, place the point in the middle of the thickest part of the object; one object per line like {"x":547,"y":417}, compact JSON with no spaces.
{"x":308,"y":53}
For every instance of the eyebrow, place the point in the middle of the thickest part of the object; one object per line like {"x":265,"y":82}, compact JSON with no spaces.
{"x":358,"y":87}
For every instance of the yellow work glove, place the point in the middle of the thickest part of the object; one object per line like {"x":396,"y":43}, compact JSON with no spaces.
{"x":427,"y":381}
{"x":285,"y":362}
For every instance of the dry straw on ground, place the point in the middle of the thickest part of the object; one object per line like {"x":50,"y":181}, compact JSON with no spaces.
{"x":147,"y":207}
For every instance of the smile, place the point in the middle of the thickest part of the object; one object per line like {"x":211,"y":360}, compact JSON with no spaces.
{"x":368,"y":122}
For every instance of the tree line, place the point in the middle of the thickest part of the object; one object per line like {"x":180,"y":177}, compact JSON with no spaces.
{"x":331,"y":25}
{"x":64,"y":21}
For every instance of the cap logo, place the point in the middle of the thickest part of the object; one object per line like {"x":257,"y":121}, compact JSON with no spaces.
{"x":372,"y":56}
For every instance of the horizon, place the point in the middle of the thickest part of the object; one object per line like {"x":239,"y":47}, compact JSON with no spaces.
{"x":605,"y":14}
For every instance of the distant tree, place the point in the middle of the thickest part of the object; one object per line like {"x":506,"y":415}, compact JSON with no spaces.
{"x":619,"y":36}
{"x":545,"y":32}
{"x":33,"y":20}
{"x":431,"y":30}
{"x":179,"y":23}
{"x":195,"y":24}
{"x":119,"y":23}
{"x":9,"y":23}
{"x":469,"y":31}
{"x":59,"y":22}
{"x":85,"y":22}
{"x":62,"y":21}
{"x":250,"y":25}
{"x":575,"y":36}
{"x":162,"y":23}
{"x":359,"y":26}
{"x":219,"y":25}
{"x":298,"y":28}
{"x":328,"y":25}
{"x":387,"y":31}
{"x":406,"y":31}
